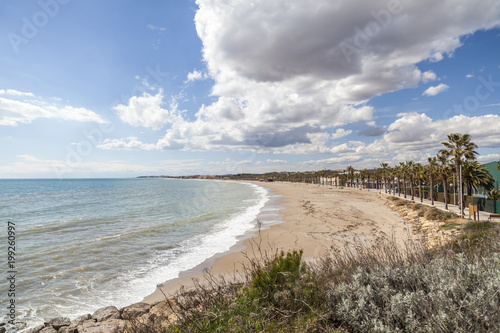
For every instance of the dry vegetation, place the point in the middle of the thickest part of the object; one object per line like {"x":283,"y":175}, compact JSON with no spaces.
{"x":453,"y":288}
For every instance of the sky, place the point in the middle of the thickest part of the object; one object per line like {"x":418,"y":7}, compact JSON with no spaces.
{"x":180,"y":87}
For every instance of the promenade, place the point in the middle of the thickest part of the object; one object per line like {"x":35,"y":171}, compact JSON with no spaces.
{"x":483,"y":216}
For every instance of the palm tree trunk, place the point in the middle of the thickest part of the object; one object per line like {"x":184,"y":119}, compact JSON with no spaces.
{"x":445,"y":188}
{"x":432,"y":189}
{"x":412,"y":189}
{"x":404,"y":184}
{"x":420,"y":189}
{"x":457,"y":170}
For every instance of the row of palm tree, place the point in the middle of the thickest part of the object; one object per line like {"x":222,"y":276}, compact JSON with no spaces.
{"x":455,"y":163}
{"x":458,"y":154}
{"x":457,"y":158}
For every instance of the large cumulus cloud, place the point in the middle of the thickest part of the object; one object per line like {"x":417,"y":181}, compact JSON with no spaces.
{"x":286,"y":72}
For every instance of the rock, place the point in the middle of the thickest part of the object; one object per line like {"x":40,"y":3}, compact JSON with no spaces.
{"x":78,"y":321}
{"x":109,"y":312}
{"x":66,"y":329}
{"x":34,"y":329}
{"x":135,"y":310}
{"x":48,"y":329}
{"x":162,"y":314}
{"x":58,"y":322}
{"x":108,"y":326}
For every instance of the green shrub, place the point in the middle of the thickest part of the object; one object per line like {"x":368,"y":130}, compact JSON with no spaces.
{"x":278,"y":274}
{"x":433,"y":213}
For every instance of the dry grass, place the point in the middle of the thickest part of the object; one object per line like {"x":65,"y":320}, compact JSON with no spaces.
{"x":380,"y":288}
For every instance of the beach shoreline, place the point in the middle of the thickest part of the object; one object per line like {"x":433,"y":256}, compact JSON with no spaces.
{"x":315,"y":219}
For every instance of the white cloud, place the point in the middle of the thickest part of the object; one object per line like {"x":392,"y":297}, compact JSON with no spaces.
{"x":156,"y":28}
{"x":131,"y":143}
{"x":31,"y":166}
{"x":488,"y":158}
{"x":283,"y":79}
{"x":340,"y":133}
{"x":195,"y":76}
{"x":418,"y":133}
{"x":15,"y":111}
{"x":468,"y":76}
{"x":428,"y":76}
{"x":13,"y":92}
{"x":334,"y":162}
{"x":415,"y":137}
{"x":433,"y":91}
{"x":276,"y":161}
{"x":145,"y":111}
{"x":28,"y":158}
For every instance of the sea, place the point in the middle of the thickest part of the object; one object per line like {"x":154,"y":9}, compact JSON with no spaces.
{"x":83,"y":244}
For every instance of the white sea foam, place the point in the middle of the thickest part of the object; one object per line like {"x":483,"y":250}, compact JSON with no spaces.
{"x":141,"y":234}
{"x":194,"y":251}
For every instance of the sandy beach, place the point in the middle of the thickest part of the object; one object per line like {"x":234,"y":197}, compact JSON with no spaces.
{"x":315,"y":219}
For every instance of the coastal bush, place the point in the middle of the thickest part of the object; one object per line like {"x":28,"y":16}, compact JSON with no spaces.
{"x":280,"y":294}
{"x":434,"y":213}
{"x":449,"y":289}
{"x":477,"y":238}
{"x":447,"y":294}
{"x":358,"y":288}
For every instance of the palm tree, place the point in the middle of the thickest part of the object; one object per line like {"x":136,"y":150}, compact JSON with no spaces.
{"x":432,"y":169}
{"x":378,"y":175}
{"x":350,"y":174}
{"x":444,"y":170}
{"x":410,"y":168}
{"x":336,"y":175}
{"x":420,"y":173}
{"x":398,"y":172}
{"x":403,"y":173}
{"x":384,"y":167}
{"x":476,"y":177}
{"x":459,"y":145}
{"x":392,"y":183}
{"x":494,"y":195}
{"x":364,"y":174}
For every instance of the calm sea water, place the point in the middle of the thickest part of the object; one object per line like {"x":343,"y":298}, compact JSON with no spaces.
{"x":85,"y":244}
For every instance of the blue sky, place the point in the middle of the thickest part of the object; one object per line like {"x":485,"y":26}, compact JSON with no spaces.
{"x":127,"y":88}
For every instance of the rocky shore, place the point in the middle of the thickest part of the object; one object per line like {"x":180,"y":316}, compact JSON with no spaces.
{"x":112,"y":320}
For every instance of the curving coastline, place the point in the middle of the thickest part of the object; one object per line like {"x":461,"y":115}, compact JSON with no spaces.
{"x":316,"y":218}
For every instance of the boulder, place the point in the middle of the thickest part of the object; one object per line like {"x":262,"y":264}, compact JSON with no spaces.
{"x":108,"y":326}
{"x":35,"y":329}
{"x":58,"y":322}
{"x":78,"y":321}
{"x":48,"y":329}
{"x":135,"y":310}
{"x":67,"y":329}
{"x":109,"y":312}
